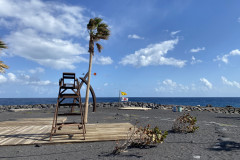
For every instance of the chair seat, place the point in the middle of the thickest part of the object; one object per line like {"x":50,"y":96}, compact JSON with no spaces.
{"x":69,"y":96}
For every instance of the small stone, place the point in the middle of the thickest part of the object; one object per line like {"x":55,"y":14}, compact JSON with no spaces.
{"x":197,"y":157}
{"x":38,"y":145}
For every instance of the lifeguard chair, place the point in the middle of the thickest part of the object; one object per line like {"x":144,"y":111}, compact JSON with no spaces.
{"x":69,"y":83}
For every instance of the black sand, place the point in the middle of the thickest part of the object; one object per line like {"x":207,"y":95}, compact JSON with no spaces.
{"x":218,"y":137}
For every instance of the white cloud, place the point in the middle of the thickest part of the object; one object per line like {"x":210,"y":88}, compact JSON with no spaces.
{"x":206,"y":83}
{"x":169,"y":85}
{"x":3,"y":54}
{"x":36,"y":70}
{"x":230,"y":83}
{"x":174,"y":33}
{"x":153,"y":54}
{"x":42,"y":31}
{"x":169,"y":82}
{"x":134,"y":36}
{"x":194,"y":50}
{"x":47,"y":51}
{"x":40,"y":90}
{"x":224,"y":58}
{"x":105,"y":84}
{"x":40,"y":83}
{"x":3,"y":79}
{"x":234,"y":52}
{"x":239,"y":19}
{"x":102,"y":60}
{"x":194,"y":60}
{"x":12,"y":77}
{"x":24,"y":79}
{"x":46,"y":17}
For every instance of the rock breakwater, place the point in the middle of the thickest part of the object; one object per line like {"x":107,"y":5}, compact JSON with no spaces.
{"x":207,"y":108}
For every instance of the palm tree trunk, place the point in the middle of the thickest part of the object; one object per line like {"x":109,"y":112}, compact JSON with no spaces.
{"x":91,"y":52}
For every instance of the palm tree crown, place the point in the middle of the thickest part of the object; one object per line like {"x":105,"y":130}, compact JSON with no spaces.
{"x":2,"y":65}
{"x":97,"y":30}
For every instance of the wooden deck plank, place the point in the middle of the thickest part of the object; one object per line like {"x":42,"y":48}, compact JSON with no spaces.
{"x":31,"y":121}
{"x":23,"y":132}
{"x":41,"y":135}
{"x":14,"y":137}
{"x":35,"y":137}
{"x":11,"y":135}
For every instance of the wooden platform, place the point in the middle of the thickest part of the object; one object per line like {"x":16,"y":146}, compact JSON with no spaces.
{"x":134,"y":108}
{"x":25,"y":131}
{"x":31,"y":121}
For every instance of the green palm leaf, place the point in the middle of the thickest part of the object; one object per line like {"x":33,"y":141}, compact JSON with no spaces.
{"x":2,"y":66}
{"x":2,"y":45}
{"x":99,"y":47}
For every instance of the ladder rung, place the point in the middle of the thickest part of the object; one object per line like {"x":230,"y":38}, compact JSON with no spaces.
{"x":69,"y":114}
{"x":69,"y":104}
{"x":68,"y":123}
{"x":69,"y":87}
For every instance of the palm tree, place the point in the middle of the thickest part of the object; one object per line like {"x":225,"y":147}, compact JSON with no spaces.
{"x":97,"y":31}
{"x":2,"y":65}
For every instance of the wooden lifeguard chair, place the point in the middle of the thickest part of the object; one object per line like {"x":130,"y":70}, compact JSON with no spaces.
{"x":66,"y":83}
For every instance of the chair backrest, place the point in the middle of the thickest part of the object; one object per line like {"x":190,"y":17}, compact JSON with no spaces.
{"x":67,"y":78}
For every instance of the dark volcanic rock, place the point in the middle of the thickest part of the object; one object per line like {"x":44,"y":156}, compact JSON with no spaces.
{"x":230,"y":109}
{"x":208,"y":105}
{"x":208,"y":108}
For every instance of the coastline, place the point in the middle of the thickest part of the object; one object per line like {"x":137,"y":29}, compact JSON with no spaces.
{"x":207,"y":108}
{"x":192,"y":101}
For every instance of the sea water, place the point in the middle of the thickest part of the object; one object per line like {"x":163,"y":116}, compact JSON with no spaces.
{"x":193,"y":101}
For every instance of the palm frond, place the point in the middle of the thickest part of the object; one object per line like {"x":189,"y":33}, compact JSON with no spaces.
{"x":2,"y":66}
{"x":94,"y":23}
{"x":97,"y":21}
{"x":99,"y":47}
{"x":102,"y":31}
{"x":95,"y":38}
{"x":102,"y":36}
{"x":103,"y":25}
{"x":91,"y":24}
{"x":2,"y":45}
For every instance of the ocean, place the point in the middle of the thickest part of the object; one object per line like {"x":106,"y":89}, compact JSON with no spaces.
{"x":193,"y":101}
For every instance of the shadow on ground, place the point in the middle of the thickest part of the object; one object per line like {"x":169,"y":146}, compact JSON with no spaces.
{"x":232,"y":118}
{"x":225,"y":146}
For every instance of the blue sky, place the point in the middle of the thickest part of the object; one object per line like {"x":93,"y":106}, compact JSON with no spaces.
{"x":157,"y":48}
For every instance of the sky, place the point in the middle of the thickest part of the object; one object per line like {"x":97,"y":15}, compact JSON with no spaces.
{"x":157,"y":48}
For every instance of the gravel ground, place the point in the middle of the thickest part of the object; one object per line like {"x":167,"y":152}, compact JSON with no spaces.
{"x":218,"y":137}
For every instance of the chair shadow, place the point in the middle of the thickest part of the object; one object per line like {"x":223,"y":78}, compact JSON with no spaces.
{"x":26,"y":136}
